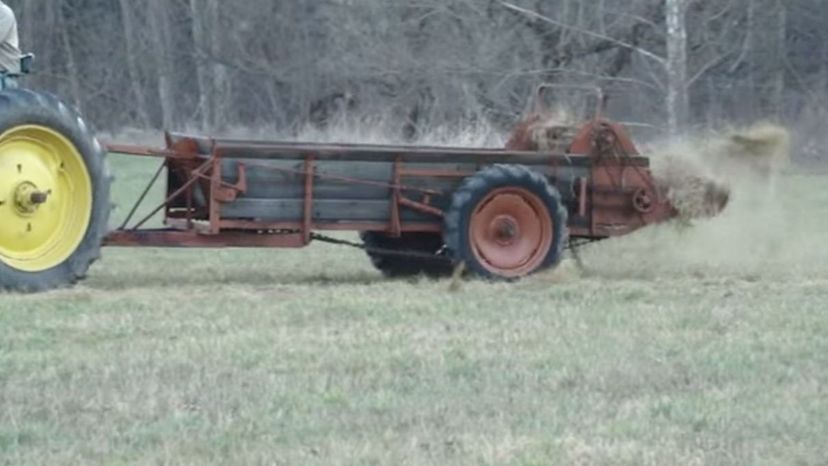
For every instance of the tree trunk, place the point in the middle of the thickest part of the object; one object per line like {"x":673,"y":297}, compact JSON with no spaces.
{"x":781,"y":35}
{"x":208,"y":35}
{"x":205,"y":106}
{"x":220,"y":82}
{"x":748,"y":55}
{"x":678,"y":101}
{"x":159,"y":26}
{"x":822,"y":79}
{"x":26,"y":27}
{"x":138,"y":98}
{"x":71,"y":64}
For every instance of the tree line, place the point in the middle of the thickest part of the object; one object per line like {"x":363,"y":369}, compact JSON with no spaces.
{"x":212,"y":65}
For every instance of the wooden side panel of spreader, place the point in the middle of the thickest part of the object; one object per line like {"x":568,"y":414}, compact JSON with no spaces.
{"x":357,"y":191}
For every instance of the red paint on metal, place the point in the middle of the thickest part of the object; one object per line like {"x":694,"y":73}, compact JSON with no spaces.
{"x":614,"y":192}
{"x":598,"y":137}
{"x":511,"y":232}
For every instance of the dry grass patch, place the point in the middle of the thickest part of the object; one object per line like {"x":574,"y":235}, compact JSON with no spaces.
{"x":680,"y":346}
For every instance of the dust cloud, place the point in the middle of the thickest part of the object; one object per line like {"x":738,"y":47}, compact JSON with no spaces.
{"x":765,"y":228}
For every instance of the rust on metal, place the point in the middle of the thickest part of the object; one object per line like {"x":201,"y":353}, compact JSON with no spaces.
{"x":230,"y":192}
{"x":595,"y":137}
{"x":170,"y":152}
{"x":583,"y":185}
{"x":183,"y":239}
{"x":173,"y":196}
{"x":596,"y":166}
{"x":307,"y":221}
{"x":215,"y":186}
{"x":617,"y":204}
{"x":130,"y":149}
{"x":433,"y":173}
{"x":643,"y":201}
{"x":420,"y":207}
{"x":396,"y":199}
{"x":188,"y":200}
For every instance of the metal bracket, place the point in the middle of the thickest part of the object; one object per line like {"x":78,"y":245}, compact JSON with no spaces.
{"x":229,"y":193}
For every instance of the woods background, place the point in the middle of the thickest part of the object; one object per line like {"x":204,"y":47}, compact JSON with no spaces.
{"x":283,"y":64}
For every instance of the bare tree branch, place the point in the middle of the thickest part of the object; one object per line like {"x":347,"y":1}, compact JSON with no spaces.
{"x":620,"y":43}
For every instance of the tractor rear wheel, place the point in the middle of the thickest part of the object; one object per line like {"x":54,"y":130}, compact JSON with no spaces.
{"x":54,"y":193}
{"x":506,"y":222}
{"x":400,"y":266}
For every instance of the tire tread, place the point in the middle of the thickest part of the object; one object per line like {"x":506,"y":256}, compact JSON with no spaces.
{"x":475,"y":187}
{"x":22,"y":106}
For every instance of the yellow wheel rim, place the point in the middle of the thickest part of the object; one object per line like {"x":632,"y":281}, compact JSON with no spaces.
{"x":45,"y":198}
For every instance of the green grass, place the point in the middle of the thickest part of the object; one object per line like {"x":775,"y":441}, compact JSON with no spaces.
{"x":701,"y":346}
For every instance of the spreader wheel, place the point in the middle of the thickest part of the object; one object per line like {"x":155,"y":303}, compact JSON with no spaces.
{"x":506,"y":222}
{"x":54,"y":193}
{"x":399,"y":266}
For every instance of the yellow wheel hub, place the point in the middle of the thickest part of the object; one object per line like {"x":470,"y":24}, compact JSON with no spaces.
{"x":45,"y":198}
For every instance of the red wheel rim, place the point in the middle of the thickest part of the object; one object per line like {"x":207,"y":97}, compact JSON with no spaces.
{"x":511,"y":232}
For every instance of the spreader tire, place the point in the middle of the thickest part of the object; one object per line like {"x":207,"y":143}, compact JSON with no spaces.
{"x":400,"y":266}
{"x":54,"y":193}
{"x":506,"y":222}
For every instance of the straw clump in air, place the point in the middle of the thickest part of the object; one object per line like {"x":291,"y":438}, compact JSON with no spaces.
{"x":700,"y":175}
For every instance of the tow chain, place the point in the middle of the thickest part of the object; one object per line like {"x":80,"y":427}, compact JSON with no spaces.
{"x":436,"y":257}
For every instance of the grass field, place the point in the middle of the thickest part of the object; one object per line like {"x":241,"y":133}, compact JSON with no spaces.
{"x":700,"y":346}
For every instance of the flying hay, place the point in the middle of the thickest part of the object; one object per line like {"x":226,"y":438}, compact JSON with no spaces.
{"x":699,"y":175}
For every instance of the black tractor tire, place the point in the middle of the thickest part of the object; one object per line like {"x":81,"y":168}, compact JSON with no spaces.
{"x":394,"y":266}
{"x":475,"y":194}
{"x":20,"y":108}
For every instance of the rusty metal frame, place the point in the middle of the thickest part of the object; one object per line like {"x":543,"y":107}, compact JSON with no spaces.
{"x":307,"y":217}
{"x":396,"y":196}
{"x":183,"y":230}
{"x":176,"y":239}
{"x":195,"y":164}
{"x":174,"y":195}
